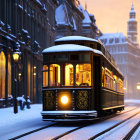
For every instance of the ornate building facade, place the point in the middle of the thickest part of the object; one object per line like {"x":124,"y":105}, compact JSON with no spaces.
{"x":126,"y":52}
{"x":73,"y":19}
{"x":26,"y":26}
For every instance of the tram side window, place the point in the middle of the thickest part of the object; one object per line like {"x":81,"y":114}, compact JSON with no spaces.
{"x":103,"y":71}
{"x":54,"y":75}
{"x":108,"y":79}
{"x":120,"y":86}
{"x":68,"y":75}
{"x":45,"y":75}
{"x":83,"y":74}
{"x":114,"y":85}
{"x":115,"y":82}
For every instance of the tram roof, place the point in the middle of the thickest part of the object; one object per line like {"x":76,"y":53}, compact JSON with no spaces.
{"x":70,"y":48}
{"x":76,"y":38}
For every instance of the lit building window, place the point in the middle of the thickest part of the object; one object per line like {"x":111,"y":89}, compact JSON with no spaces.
{"x":45,"y":75}
{"x":54,"y":75}
{"x":68,"y":75}
{"x":83,"y":75}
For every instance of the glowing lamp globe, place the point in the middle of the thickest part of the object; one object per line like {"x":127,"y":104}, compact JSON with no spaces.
{"x":64,"y":99}
{"x":16,"y":56}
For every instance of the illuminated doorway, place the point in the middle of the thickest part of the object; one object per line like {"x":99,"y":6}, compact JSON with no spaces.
{"x":2,"y":74}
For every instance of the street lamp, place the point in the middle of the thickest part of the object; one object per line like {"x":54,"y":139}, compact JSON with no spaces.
{"x":16,"y":59}
{"x":16,"y":56}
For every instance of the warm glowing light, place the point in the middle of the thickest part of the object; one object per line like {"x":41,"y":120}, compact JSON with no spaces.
{"x":138,"y":87}
{"x":19,"y":74}
{"x":64,"y":99}
{"x":16,"y":56}
{"x":124,"y":88}
{"x":34,"y":67}
{"x":115,"y":77}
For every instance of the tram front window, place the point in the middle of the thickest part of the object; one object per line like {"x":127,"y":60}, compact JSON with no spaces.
{"x":45,"y":75}
{"x":54,"y":75}
{"x":68,"y":75}
{"x":83,"y":75}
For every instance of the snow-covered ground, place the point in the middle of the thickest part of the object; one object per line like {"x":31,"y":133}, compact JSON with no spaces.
{"x":132,"y":101}
{"x":8,"y":117}
{"x":12,"y":125}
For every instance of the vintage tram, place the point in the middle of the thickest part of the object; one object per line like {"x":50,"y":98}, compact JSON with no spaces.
{"x":80,"y":80}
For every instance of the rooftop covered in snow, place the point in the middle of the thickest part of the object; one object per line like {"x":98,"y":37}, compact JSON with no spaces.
{"x":113,"y":35}
{"x":70,"y":48}
{"x":112,"y":38}
{"x":76,"y":38}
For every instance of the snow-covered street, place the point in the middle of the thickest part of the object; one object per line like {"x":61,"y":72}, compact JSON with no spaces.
{"x":12,"y":125}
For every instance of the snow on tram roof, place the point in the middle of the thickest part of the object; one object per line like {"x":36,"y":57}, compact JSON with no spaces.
{"x":75,"y":38}
{"x":69,"y":48}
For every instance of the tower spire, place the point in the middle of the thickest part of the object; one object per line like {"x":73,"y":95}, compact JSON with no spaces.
{"x":132,"y":25}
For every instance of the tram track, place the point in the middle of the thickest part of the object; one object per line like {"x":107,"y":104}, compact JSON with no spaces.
{"x":85,"y":125}
{"x":72,"y":130}
{"x":131,"y":132}
{"x":33,"y":131}
{"x":68,"y":132}
{"x":109,"y":129}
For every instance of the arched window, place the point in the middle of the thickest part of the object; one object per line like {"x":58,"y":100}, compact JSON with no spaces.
{"x":9,"y":76}
{"x":2,"y":74}
{"x":69,"y":75}
{"x":54,"y":75}
{"x":45,"y":75}
{"x":83,"y":74}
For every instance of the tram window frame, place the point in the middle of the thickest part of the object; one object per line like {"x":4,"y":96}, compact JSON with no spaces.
{"x":64,"y":74}
{"x":56,"y":78}
{"x":108,"y":79}
{"x":83,"y":58}
{"x":85,"y":84}
{"x":103,"y":76}
{"x":45,"y":79}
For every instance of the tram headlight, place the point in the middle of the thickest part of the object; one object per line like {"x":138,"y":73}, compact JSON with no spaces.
{"x":64,"y":99}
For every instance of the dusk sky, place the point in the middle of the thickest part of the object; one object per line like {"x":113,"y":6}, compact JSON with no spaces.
{"x":112,"y":15}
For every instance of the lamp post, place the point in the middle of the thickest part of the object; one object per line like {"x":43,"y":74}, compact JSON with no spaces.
{"x":15,"y":58}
